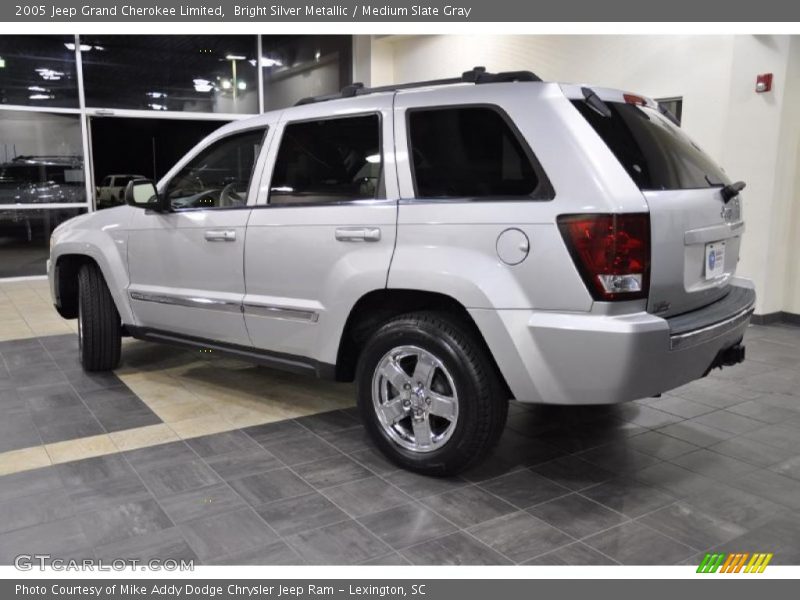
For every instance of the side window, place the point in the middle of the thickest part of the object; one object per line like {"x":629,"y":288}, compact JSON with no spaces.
{"x":329,"y":160}
{"x":471,"y":152}
{"x":220,"y":175}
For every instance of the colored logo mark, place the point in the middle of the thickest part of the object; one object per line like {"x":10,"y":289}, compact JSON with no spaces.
{"x":735,"y":562}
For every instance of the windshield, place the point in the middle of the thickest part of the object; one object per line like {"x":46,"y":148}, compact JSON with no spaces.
{"x":657,"y":154}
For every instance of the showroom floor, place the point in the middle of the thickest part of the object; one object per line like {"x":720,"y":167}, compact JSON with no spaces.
{"x":181,"y":454}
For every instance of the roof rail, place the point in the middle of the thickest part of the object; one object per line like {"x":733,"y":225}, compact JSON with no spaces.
{"x":477,"y":75}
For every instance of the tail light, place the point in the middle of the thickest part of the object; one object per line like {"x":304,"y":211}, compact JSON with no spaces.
{"x":611,"y":252}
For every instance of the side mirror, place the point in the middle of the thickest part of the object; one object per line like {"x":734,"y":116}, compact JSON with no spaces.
{"x":142,"y":193}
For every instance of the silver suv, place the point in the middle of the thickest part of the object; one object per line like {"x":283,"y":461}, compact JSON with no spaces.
{"x":448,"y":245}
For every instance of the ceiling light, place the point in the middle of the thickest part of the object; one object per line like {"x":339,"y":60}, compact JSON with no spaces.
{"x":266,"y":61}
{"x":235,"y":57}
{"x":84,"y":47}
{"x":156,"y":94}
{"x":36,"y":88}
{"x":226,"y":84}
{"x":202,"y":85}
{"x":373,"y":158}
{"x":40,"y":96}
{"x":157,"y":106}
{"x":317,"y":55}
{"x":241,"y":85}
{"x":2,"y":63}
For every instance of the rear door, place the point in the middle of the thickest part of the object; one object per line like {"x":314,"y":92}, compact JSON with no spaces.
{"x":323,"y":233}
{"x":696,"y":235}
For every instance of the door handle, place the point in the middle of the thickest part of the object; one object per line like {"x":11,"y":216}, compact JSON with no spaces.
{"x":358,"y":234}
{"x":220,"y":235}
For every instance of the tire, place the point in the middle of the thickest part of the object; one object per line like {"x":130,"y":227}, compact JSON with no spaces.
{"x":462,"y":401}
{"x":99,"y":327}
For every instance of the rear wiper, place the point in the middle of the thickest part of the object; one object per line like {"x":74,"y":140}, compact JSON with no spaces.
{"x":594,"y":101}
{"x":730,"y":191}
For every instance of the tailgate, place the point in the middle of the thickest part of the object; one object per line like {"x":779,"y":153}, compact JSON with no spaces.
{"x":695,"y":248}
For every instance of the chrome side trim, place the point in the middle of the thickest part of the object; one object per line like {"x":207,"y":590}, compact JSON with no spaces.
{"x":698,"y":336}
{"x":280,"y":312}
{"x":188,"y":301}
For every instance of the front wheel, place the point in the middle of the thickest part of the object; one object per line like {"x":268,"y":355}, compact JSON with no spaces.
{"x":429,"y":393}
{"x":99,"y":326}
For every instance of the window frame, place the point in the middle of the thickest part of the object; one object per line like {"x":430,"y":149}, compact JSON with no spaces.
{"x":544,"y":191}
{"x":380,"y":195}
{"x":248,"y":204}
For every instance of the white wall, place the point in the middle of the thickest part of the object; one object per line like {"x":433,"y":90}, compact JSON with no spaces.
{"x":790,"y":149}
{"x":754,"y":136}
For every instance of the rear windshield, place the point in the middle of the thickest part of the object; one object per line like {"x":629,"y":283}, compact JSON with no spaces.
{"x":655,"y":152}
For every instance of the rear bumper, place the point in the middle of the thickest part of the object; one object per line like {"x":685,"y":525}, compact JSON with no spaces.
{"x":578,"y":358}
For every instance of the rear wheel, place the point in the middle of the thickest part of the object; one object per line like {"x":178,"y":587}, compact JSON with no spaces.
{"x":99,"y":327}
{"x":429,"y":394}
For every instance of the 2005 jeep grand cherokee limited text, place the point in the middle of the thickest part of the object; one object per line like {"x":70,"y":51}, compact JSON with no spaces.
{"x":448,"y":245}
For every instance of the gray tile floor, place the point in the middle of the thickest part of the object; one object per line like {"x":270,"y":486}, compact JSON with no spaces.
{"x":46,"y":396}
{"x":712,"y":465}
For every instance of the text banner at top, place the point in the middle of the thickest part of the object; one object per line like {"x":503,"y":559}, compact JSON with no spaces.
{"x":80,"y":11}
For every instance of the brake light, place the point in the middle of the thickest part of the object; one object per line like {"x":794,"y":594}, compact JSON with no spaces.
{"x":633,"y":99}
{"x":611,"y":252}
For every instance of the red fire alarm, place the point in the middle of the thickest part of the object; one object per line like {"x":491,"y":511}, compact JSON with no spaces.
{"x":764,"y":83}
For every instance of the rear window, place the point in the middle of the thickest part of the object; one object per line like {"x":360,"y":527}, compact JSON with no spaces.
{"x":656,"y":154}
{"x":471,"y":152}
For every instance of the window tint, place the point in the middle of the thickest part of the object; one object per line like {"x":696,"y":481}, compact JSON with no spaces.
{"x":219,"y":176}
{"x":655,"y":153}
{"x":470,"y":152}
{"x":329,"y":160}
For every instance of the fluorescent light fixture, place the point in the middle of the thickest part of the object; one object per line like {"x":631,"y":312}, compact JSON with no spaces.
{"x":373,"y":158}
{"x":2,"y":63}
{"x":157,"y":94}
{"x":84,"y":47}
{"x":267,"y":62}
{"x":40,"y":96}
{"x":241,"y":85}
{"x":36,"y":88}
{"x":235,"y":57}
{"x":155,"y":106}
{"x":282,"y":188}
{"x":202,"y":85}
{"x":226,"y":84}
{"x":317,"y":55}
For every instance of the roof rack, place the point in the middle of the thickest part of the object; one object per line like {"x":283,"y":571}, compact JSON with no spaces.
{"x":477,"y":75}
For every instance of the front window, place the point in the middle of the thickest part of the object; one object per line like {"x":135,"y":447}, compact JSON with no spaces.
{"x":219,"y":176}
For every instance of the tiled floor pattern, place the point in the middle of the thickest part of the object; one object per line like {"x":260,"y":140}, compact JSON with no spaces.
{"x":55,"y":412}
{"x":712,"y":465}
{"x":26,"y":310}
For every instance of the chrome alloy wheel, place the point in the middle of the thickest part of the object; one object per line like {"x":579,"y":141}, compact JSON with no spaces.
{"x":415,"y":399}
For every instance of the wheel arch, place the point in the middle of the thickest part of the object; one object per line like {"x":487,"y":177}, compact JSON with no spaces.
{"x":66,"y":267}
{"x":378,"y":306}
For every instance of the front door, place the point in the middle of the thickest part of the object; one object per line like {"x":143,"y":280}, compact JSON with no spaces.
{"x":187,"y":266}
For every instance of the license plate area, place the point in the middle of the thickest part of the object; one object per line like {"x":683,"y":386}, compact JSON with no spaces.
{"x":715,"y":260}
